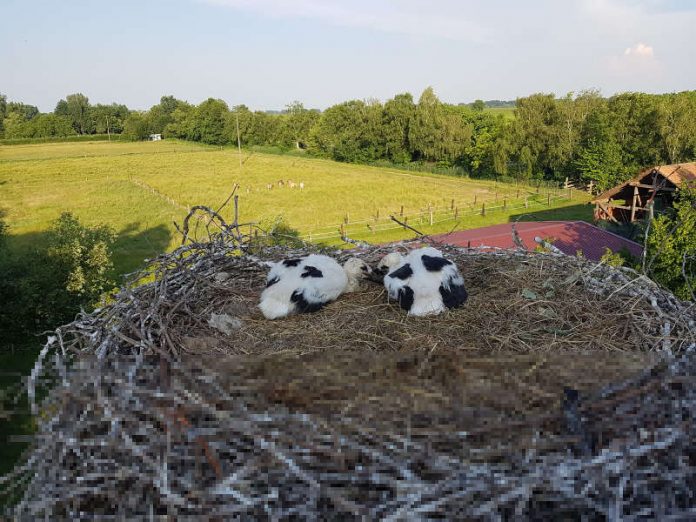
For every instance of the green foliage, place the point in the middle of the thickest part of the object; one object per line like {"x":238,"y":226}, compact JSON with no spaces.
{"x":600,"y":162}
{"x":22,"y":110}
{"x":278,"y":233}
{"x":208,"y":122}
{"x":79,"y":110}
{"x":611,"y":258}
{"x":349,"y":132}
{"x":478,"y":106}
{"x":109,"y":119}
{"x":135,"y":127}
{"x":397,"y":115}
{"x":582,"y":136}
{"x":42,"y":126}
{"x":44,"y":287}
{"x":671,"y":247}
{"x":83,"y":255}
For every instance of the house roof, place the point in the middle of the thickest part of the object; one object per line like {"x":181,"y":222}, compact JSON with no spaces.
{"x":568,"y":236}
{"x":677,"y":174}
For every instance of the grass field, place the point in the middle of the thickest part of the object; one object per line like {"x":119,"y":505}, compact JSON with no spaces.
{"x":507,"y":112}
{"x":140,"y":188}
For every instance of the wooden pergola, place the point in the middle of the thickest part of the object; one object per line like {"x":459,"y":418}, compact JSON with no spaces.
{"x":652,"y":188}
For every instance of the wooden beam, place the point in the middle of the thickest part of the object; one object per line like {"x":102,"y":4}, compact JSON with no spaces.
{"x":633,"y":203}
{"x":623,"y":207}
{"x":651,"y":187}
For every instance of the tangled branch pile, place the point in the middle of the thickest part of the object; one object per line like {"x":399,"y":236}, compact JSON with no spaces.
{"x":533,"y":400}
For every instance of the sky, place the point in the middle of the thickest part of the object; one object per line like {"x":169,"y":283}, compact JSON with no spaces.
{"x":268,"y":53}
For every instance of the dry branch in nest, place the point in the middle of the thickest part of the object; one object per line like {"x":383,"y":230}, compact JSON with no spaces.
{"x":561,"y":389}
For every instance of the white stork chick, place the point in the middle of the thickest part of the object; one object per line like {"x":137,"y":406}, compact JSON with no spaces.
{"x":305,"y":285}
{"x":425,"y":283}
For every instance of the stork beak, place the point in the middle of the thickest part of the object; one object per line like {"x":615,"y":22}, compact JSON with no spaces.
{"x":378,"y":274}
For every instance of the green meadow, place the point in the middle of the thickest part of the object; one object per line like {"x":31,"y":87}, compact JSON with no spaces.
{"x":139,"y":189}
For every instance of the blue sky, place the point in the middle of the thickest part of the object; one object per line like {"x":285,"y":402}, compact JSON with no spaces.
{"x":267,"y":53}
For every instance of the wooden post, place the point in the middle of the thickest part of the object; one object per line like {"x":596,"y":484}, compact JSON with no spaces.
{"x":505,"y":204}
{"x":475,"y":198}
{"x":548,"y":199}
{"x":452,"y":205}
{"x":483,"y":209}
{"x":633,"y":204}
{"x":526,"y":202}
{"x":430,"y":211}
{"x":518,"y":193}
{"x":456,"y":212}
{"x":346,"y":219}
{"x":401,"y":213}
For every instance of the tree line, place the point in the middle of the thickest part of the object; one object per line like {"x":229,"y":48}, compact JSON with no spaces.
{"x":584,"y":136}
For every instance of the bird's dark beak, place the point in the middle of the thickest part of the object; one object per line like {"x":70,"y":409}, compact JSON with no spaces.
{"x":377,"y":275}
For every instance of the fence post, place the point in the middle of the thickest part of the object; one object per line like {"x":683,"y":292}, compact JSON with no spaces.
{"x":505,"y":204}
{"x":452,"y":205}
{"x":345,"y":219}
{"x":401,"y":213}
{"x":548,"y":199}
{"x":526,"y":202}
{"x":456,"y":213}
{"x":475,"y":198}
{"x":430,"y":211}
{"x":483,"y":209}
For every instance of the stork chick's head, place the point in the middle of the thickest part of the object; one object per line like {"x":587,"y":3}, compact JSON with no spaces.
{"x":357,"y":270}
{"x":386,"y":265}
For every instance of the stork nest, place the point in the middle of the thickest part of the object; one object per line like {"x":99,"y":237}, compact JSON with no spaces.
{"x":562,"y":388}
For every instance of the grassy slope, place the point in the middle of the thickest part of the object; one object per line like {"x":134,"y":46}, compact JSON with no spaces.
{"x":507,"y":112}
{"x":139,"y":188}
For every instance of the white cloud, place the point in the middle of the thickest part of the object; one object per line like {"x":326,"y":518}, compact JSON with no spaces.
{"x":449,"y":20}
{"x":640,"y":49}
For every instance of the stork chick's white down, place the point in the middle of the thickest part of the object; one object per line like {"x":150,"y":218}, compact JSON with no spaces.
{"x":306,"y":284}
{"x":425,"y":283}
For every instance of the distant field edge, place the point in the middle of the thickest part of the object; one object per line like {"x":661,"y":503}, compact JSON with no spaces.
{"x":62,"y":139}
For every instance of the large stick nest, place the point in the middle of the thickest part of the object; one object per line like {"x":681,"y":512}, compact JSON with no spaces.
{"x":562,"y":388}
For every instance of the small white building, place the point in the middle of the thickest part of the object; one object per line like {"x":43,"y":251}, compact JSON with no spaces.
{"x":155,"y":137}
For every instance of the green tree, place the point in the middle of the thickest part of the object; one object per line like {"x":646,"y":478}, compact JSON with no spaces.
{"x":478,"y":106}
{"x":162,"y":114}
{"x":677,"y":126}
{"x":25,"y":112}
{"x":671,"y":247}
{"x":397,"y":115}
{"x":45,"y":286}
{"x":83,"y":257}
{"x":109,"y":118}
{"x":77,"y":107}
{"x":136,"y":127}
{"x":3,"y":113}
{"x":350,"y":132}
{"x":297,"y":123}
{"x":209,"y":121}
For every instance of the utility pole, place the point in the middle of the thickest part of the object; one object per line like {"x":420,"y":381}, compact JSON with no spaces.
{"x":239,"y":140}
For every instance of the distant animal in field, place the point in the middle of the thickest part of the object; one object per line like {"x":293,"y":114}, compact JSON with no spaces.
{"x":291,"y":184}
{"x":301,"y":185}
{"x":269,"y":186}
{"x":307,"y":284}
{"x":281,"y":183}
{"x":424,"y":282}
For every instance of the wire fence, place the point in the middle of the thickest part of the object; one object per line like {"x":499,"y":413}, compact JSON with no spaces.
{"x":432,"y":215}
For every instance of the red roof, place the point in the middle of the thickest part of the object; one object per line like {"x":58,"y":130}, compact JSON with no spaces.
{"x":567,"y":236}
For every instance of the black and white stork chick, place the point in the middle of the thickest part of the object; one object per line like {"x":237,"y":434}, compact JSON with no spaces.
{"x":306,"y":284}
{"x":425,"y":283}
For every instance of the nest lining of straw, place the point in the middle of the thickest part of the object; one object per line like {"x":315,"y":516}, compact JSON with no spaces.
{"x":360,"y":411}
